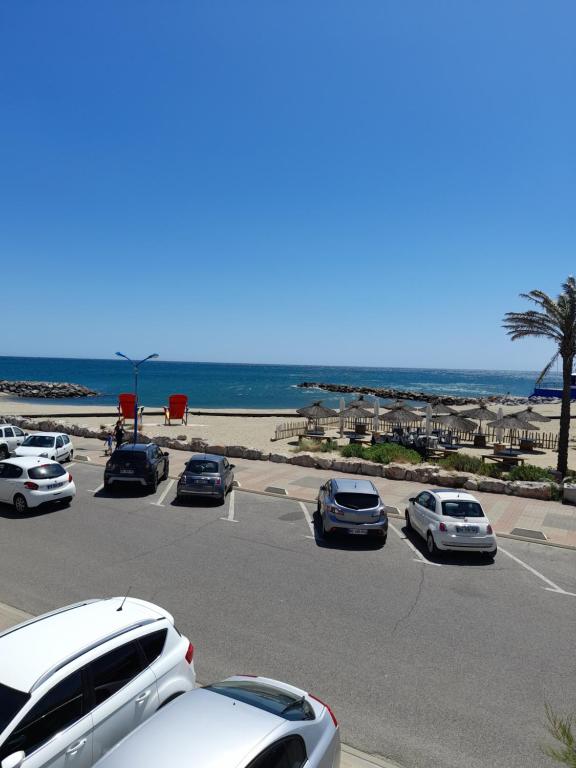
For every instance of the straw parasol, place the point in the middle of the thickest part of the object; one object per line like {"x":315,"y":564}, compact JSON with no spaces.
{"x":530,"y":415}
{"x":480,"y":413}
{"x":512,"y":422}
{"x":361,"y":402}
{"x":439,"y":409}
{"x":316,"y":411}
{"x":457,"y":422}
{"x":356,"y":412}
{"x":401,"y":416}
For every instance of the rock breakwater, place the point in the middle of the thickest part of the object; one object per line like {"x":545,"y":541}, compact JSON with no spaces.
{"x":45,"y":389}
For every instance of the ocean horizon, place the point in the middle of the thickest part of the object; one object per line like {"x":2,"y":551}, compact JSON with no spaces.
{"x":255,"y":385}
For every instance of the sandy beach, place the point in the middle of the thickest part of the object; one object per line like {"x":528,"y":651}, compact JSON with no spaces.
{"x":246,"y":428}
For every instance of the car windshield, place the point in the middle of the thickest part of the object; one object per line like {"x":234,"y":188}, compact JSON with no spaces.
{"x":461,"y":508}
{"x":46,"y":471}
{"x":38,"y":441}
{"x":284,"y":703}
{"x":11,"y":702}
{"x":357,"y":500}
{"x":199,"y":467}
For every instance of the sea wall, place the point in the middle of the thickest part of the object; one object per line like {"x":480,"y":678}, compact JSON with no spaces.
{"x":45,"y":389}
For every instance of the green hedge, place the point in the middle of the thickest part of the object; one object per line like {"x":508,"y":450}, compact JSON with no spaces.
{"x":530,"y":472}
{"x":462,"y":462}
{"x":384,"y":453}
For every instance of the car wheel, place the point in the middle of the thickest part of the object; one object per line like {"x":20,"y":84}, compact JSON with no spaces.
{"x":4,"y":453}
{"x":166,"y":471}
{"x":325,"y":535}
{"x":20,"y":504}
{"x":431,"y":545}
{"x":408,"y":521}
{"x":70,"y":455}
{"x":490,"y":555}
{"x":154,"y":484}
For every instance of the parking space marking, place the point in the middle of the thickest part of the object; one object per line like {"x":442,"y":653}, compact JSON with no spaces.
{"x":165,"y":492}
{"x":419,"y":556}
{"x":308,"y":519}
{"x":230,"y":518}
{"x":552,"y":586}
{"x":96,"y":490}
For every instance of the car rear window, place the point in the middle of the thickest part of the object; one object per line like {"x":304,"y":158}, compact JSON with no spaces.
{"x":11,"y":702}
{"x":38,"y":441}
{"x":275,"y":700}
{"x":46,"y":471}
{"x":132,"y":457}
{"x":461,"y":508}
{"x":197,"y":467}
{"x":357,"y":500}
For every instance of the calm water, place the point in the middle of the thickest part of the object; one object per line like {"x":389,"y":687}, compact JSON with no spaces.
{"x":222,"y":385}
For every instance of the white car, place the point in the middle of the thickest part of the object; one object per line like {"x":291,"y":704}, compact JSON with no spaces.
{"x":74,"y":682}
{"x":50,"y":445}
{"x":451,"y":520}
{"x":10,"y":438}
{"x":30,"y":481}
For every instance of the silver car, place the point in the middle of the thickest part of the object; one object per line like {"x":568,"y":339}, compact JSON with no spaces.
{"x":206,"y":475}
{"x":352,"y":506}
{"x":241,"y":722}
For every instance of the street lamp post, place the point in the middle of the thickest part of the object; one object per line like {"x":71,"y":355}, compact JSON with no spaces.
{"x":135,"y":366}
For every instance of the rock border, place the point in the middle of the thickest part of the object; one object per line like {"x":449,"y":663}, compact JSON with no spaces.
{"x":428,"y":474}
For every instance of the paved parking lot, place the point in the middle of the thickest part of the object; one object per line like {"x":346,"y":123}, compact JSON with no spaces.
{"x":431,"y":664}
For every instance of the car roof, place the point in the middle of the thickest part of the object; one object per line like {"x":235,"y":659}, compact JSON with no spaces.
{"x":30,"y":650}
{"x":47,"y":434}
{"x":206,"y":457}
{"x":446,"y":494}
{"x":29,"y":461}
{"x":347,"y":485}
{"x":200,"y":728}
{"x":134,"y":446}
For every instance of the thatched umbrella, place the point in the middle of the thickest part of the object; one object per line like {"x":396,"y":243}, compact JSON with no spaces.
{"x":457,"y":422}
{"x":355,"y":412}
{"x":316,"y":411}
{"x":480,"y":413}
{"x":401,"y":416}
{"x":439,"y":409}
{"x":511,"y":422}
{"x":361,"y":402}
{"x":529,"y":415}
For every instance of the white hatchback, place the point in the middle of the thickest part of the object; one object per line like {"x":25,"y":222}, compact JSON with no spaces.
{"x":74,"y":682}
{"x":30,"y":481}
{"x":10,"y":438}
{"x":49,"y":445}
{"x":451,"y":520}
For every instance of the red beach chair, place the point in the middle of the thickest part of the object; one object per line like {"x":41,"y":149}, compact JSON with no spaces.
{"x":126,"y":403}
{"x":177,"y":409}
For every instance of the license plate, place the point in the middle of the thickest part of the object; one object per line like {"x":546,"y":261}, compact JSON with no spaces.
{"x":54,"y":485}
{"x":201,"y":482}
{"x":358,"y":531}
{"x":126,"y":471}
{"x":466,"y":529}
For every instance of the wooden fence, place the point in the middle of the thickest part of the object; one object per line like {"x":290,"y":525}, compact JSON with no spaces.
{"x":545,"y":440}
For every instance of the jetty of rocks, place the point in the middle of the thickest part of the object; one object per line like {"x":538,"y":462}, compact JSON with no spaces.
{"x":45,"y":389}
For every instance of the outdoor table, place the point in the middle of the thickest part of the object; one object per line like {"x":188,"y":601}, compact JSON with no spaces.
{"x":506,"y":459}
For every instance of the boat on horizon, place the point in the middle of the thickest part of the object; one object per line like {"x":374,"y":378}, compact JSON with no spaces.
{"x":545,"y":391}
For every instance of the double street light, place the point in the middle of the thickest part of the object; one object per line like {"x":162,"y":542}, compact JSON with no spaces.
{"x":135,"y":366}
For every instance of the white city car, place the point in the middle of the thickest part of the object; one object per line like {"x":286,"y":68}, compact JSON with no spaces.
{"x":451,"y":520}
{"x":30,"y":481}
{"x":10,"y":438}
{"x":50,"y":445}
{"x":74,"y":682}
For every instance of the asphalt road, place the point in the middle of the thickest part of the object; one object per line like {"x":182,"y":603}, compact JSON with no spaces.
{"x":430,"y":664}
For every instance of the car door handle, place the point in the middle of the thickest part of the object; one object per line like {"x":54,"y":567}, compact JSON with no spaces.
{"x":143,"y":697}
{"x":76,"y":747}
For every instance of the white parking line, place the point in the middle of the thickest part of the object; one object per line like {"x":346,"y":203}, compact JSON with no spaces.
{"x":165,"y":492}
{"x":551,"y":588}
{"x":230,"y":518}
{"x":419,"y":556}
{"x":308,"y":519}
{"x":96,"y":490}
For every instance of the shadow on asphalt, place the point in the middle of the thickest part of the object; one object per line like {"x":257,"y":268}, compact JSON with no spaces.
{"x":345,"y":541}
{"x":9,"y":513}
{"x":198,"y":502}
{"x":469,"y":559}
{"x":125,"y":491}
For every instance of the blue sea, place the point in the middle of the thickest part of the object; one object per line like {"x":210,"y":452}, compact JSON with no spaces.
{"x":225,"y":385}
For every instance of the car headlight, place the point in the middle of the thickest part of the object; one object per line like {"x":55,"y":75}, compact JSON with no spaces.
{"x":44,"y":455}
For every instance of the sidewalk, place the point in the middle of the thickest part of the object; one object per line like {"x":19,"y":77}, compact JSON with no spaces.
{"x":351,"y":758}
{"x":512,"y":516}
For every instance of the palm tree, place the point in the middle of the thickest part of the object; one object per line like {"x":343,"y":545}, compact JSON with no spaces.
{"x":554,"y":319}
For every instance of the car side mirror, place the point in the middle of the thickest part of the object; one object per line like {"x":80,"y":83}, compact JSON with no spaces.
{"x":231,"y":466}
{"x":412,"y":500}
{"x":14,"y":760}
{"x":165,"y":453}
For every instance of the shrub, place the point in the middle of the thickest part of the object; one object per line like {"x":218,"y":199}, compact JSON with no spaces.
{"x":383,"y":453}
{"x":462,"y":462}
{"x":530,"y":472}
{"x":315,"y":446}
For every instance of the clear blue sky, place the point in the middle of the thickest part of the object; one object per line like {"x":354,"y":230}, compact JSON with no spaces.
{"x":369,"y":182}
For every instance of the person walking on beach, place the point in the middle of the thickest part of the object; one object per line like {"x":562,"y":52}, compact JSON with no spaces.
{"x":109,"y":442}
{"x":119,"y":433}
